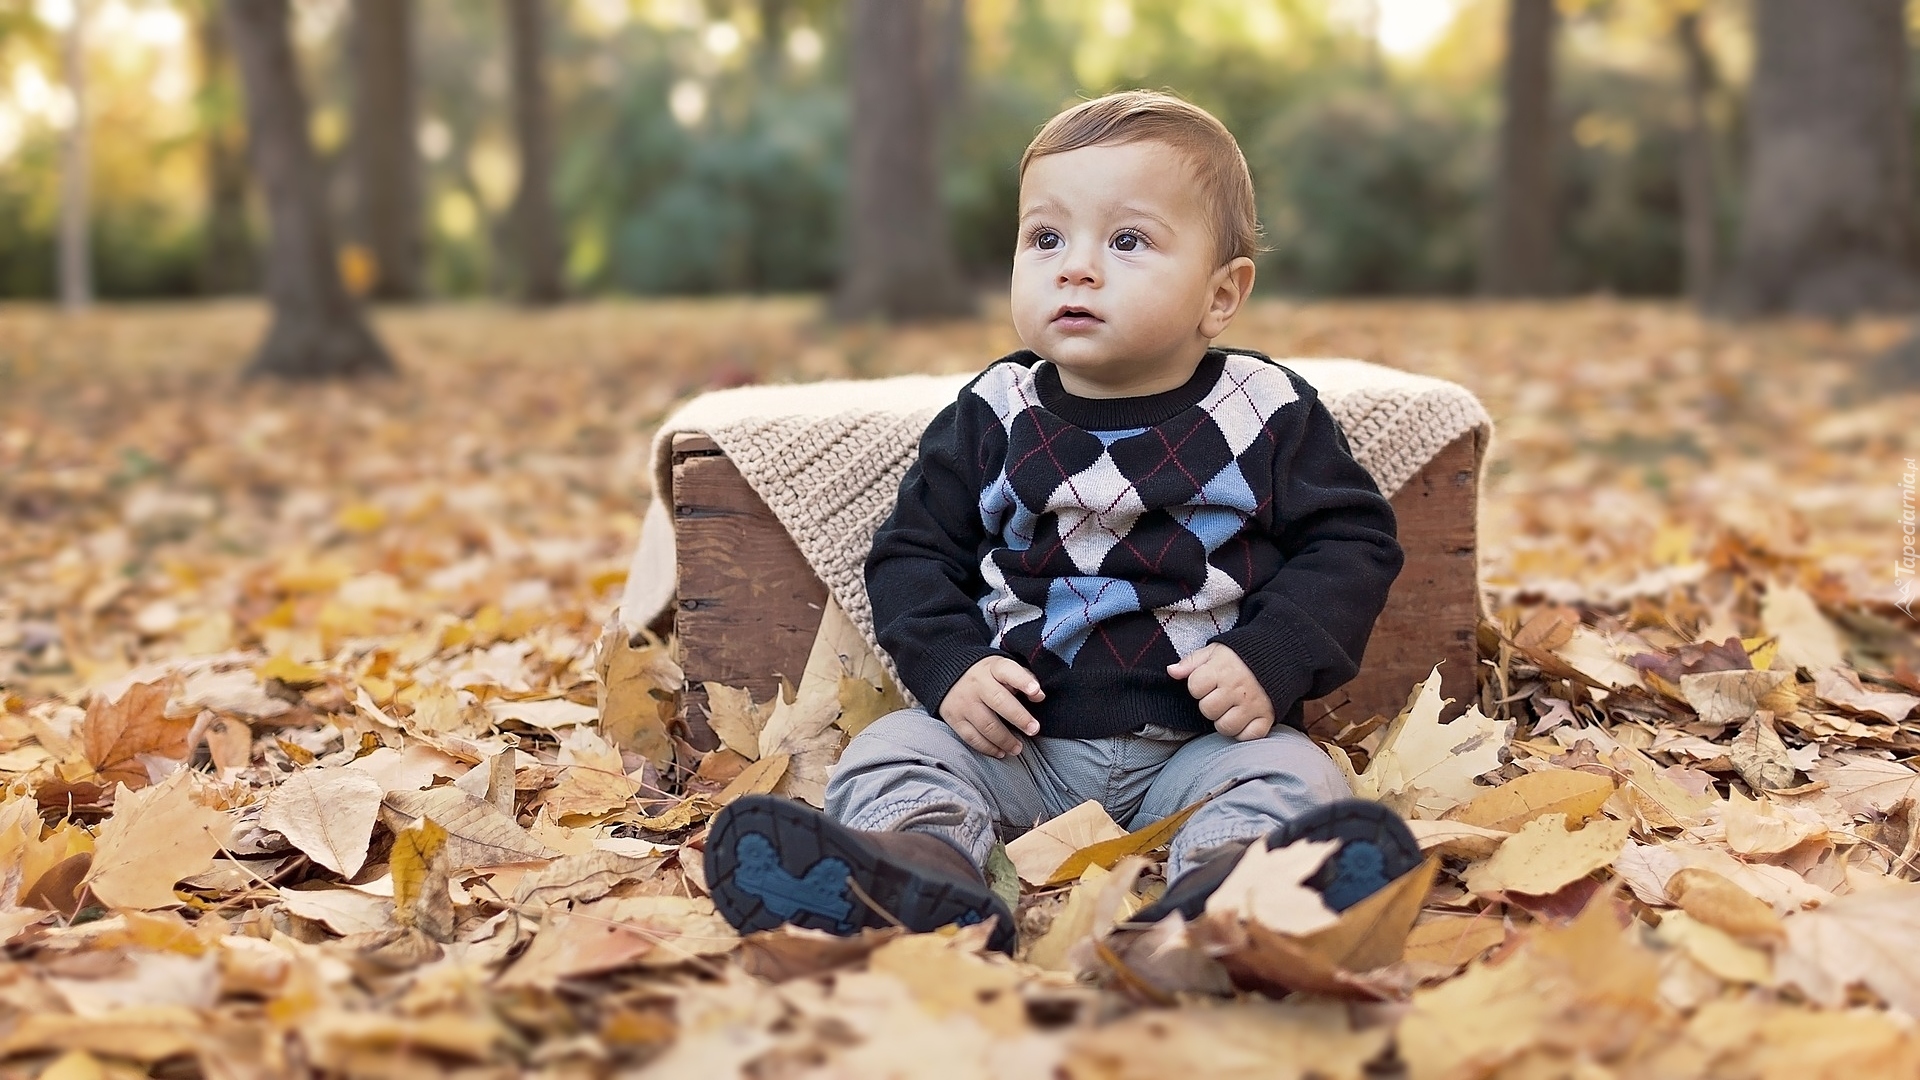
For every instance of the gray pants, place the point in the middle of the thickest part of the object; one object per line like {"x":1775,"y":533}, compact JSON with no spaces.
{"x":910,"y":771}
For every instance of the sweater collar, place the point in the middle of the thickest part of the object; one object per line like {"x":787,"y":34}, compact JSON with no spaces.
{"x":1110,"y":414}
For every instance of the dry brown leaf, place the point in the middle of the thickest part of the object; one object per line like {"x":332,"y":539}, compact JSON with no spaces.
{"x":861,"y":703}
{"x":1716,"y":901}
{"x":1807,"y":639}
{"x":1762,"y":828}
{"x":1730,"y":697}
{"x":1267,"y":886}
{"x":117,"y":734}
{"x":1866,"y":785}
{"x":577,"y":878}
{"x":478,"y":834}
{"x":1453,"y":941}
{"x":148,"y":1034}
{"x":1544,"y":857}
{"x":1108,"y":853}
{"x":328,"y":814}
{"x":1424,"y":767}
{"x":1870,"y":938}
{"x":1456,"y":838}
{"x":155,"y":837}
{"x":344,"y":911}
{"x":734,"y":717}
{"x":594,"y":781}
{"x":1577,"y":990}
{"x":759,"y":778}
{"x":1759,"y":755}
{"x":947,"y":978}
{"x":1576,"y":795}
{"x":639,"y":695}
{"x":1841,"y":687}
{"x":1040,"y":851}
{"x":1253,"y":1040}
{"x":420,"y":898}
{"x":661,"y":931}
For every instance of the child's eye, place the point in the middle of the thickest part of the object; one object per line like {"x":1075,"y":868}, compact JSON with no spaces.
{"x":1128,"y":240}
{"x":1044,"y":239}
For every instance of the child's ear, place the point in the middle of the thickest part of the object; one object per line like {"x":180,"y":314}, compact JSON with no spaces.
{"x":1229,"y":288}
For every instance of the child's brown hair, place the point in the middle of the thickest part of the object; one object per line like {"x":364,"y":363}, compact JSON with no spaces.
{"x":1226,"y":185}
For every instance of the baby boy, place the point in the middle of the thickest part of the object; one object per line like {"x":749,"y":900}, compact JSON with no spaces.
{"x":1121,"y":563}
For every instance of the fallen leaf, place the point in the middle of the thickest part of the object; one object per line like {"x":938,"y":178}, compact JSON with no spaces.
{"x":155,"y":837}
{"x":1268,"y":886}
{"x":1759,"y":756}
{"x":1807,"y":639}
{"x":419,"y":860}
{"x":1591,"y":655}
{"x":734,"y":717}
{"x":1038,"y":852}
{"x":1841,"y":687}
{"x":344,"y":911}
{"x":116,"y":734}
{"x":328,"y":814}
{"x":478,"y":834}
{"x":1761,"y":828}
{"x":1428,"y":767}
{"x":1717,"y":901}
{"x":594,"y":781}
{"x":1456,"y":838}
{"x":1871,"y":938}
{"x":759,"y":778}
{"x":1252,"y":1040}
{"x":1730,"y":697}
{"x":1543,"y":856}
{"x":619,"y":932}
{"x":579,"y":878}
{"x":1453,"y":941}
{"x":946,"y":979}
{"x":1716,"y":950}
{"x":1107,"y":853}
{"x":550,"y":713}
{"x":639,"y":695}
{"x":1867,"y":785}
{"x":1578,"y":796}
{"x":861,"y":703}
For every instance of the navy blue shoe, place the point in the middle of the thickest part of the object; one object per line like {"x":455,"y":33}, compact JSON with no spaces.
{"x":773,"y":861}
{"x":1376,"y":848}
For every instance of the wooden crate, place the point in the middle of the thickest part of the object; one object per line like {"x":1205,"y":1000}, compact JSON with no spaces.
{"x":749,"y":605}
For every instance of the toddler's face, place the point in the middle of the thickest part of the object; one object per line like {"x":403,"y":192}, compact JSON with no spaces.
{"x":1114,"y":277}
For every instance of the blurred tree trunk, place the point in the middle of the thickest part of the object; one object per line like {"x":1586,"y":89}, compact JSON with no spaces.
{"x":534,"y":226}
{"x":1699,"y":201}
{"x":317,"y":330}
{"x":1518,"y":259}
{"x":386,"y":158}
{"x":76,"y":168}
{"x":1827,"y":227}
{"x":900,"y":261}
{"x":227,"y":258}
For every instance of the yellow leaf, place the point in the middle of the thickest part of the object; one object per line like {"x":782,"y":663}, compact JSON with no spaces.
{"x":1106,"y":853}
{"x":1426,"y":767}
{"x":290,"y":671}
{"x":1577,"y":795}
{"x":419,"y":862}
{"x":1543,"y":857}
{"x":361,"y":518}
{"x":328,"y":814}
{"x":1043,"y":849}
{"x":154,"y":838}
{"x":478,"y":833}
{"x":758,"y":778}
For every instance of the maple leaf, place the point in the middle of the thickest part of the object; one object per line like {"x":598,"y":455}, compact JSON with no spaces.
{"x":116,"y":735}
{"x":1429,"y":767}
{"x":155,"y":837}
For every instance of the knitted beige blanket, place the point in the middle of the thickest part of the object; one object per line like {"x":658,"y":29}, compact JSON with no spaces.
{"x":827,"y":457}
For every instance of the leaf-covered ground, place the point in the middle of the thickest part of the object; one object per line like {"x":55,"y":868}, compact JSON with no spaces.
{"x":428,"y":825}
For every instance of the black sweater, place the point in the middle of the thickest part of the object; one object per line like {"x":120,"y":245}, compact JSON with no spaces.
{"x":1096,"y":541}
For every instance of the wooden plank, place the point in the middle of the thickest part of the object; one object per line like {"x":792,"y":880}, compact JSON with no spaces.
{"x":1434,"y":604}
{"x":750,"y":604}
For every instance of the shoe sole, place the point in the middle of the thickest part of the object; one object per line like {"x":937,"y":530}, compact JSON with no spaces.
{"x":771,"y":861}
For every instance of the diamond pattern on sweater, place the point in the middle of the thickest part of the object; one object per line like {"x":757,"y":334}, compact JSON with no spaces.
{"x":1127,"y":548}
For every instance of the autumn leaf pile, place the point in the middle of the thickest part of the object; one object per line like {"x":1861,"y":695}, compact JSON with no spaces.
{"x":317,"y":759}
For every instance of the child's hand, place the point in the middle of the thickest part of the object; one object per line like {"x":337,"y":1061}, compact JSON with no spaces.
{"x":981,"y":705}
{"x":1228,"y":693}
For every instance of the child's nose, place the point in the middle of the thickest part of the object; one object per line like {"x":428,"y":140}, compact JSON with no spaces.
{"x":1080,"y":268}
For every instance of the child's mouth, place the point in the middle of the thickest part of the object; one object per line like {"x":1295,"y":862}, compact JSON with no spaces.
{"x":1075,"y":318}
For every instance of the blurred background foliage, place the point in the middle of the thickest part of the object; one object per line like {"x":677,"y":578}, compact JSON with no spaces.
{"x":701,"y":146}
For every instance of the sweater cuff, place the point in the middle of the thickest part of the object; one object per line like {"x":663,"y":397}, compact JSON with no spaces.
{"x":1278,"y":658}
{"x":937,"y":675}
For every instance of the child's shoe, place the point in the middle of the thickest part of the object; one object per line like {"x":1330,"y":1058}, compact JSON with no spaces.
{"x":1378,"y":847}
{"x":772,"y":860}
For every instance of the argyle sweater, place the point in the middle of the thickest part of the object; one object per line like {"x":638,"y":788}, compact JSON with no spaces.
{"x":1096,"y":541}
